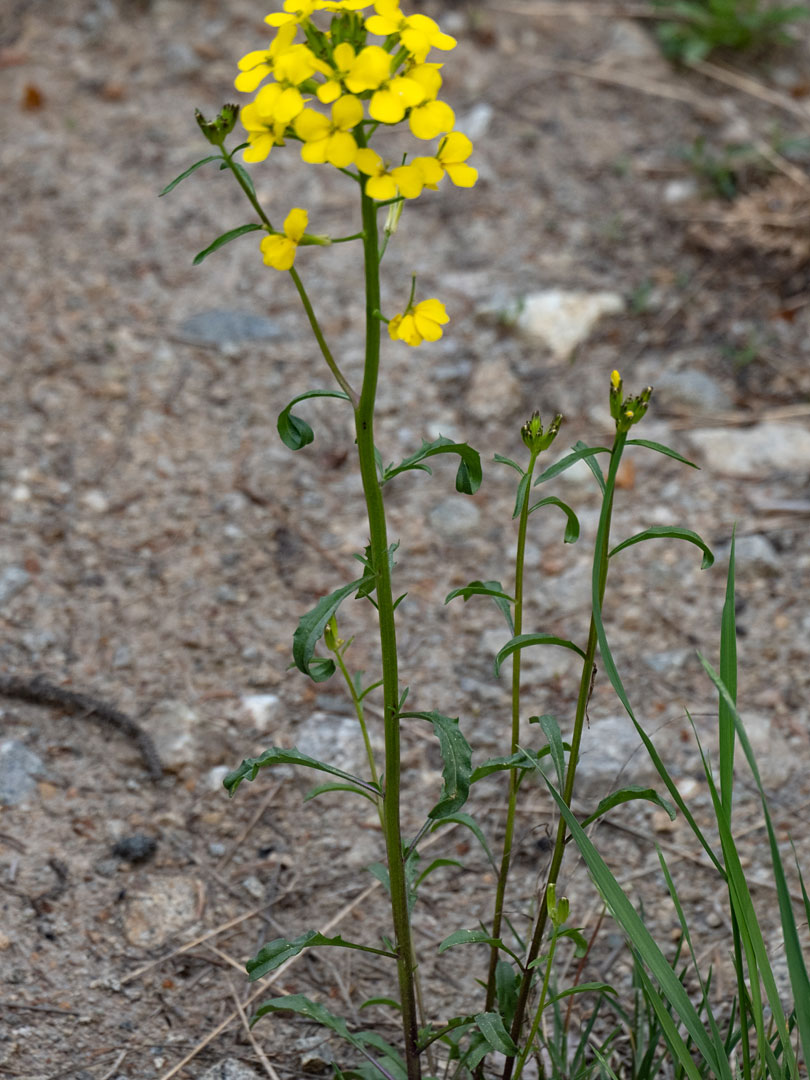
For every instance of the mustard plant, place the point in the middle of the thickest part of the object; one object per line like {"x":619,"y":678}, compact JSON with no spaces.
{"x":331,"y":78}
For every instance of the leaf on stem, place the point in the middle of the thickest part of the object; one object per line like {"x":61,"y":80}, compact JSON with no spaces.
{"x":572,"y":521}
{"x":226,"y":238}
{"x":513,"y":761}
{"x":523,"y":641}
{"x":192,"y":168}
{"x":494,"y":589}
{"x":675,"y":532}
{"x":474,"y":937}
{"x":491,"y":1026}
{"x":661,"y":449}
{"x":468,"y":476}
{"x":312,"y":625}
{"x":581,"y":453}
{"x":629,"y":794}
{"x":322,"y":789}
{"x":277,"y":755}
{"x":470,"y":823}
{"x":457,"y":759}
{"x":276,"y":952}
{"x":295,"y":432}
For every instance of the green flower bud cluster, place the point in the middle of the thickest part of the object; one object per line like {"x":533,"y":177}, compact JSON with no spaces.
{"x":627,"y":411}
{"x":533,"y":435}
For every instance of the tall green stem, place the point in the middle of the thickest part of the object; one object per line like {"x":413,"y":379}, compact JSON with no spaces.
{"x":514,"y":775}
{"x":364,"y":427}
{"x":600,"y":569}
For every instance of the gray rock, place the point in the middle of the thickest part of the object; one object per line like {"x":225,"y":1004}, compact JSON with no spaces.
{"x":180,"y":59}
{"x":13,"y":579}
{"x":263,"y":709}
{"x":670,"y":660}
{"x":754,"y":451}
{"x":19,"y":768}
{"x":335,"y":739}
{"x":493,"y":391}
{"x":694,"y":390}
{"x":455,"y":518}
{"x":229,"y":1069}
{"x":775,"y":758}
{"x":222,"y":327}
{"x":754,"y":556}
{"x":612,"y":755}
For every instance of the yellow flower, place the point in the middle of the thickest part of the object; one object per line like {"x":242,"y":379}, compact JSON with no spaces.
{"x":393,"y":94}
{"x":330,"y":141}
{"x":421,"y":323}
{"x":277,"y":104}
{"x":616,"y":380}
{"x":417,"y":33}
{"x":383,"y":184}
{"x":262,"y":134}
{"x":454,"y":150}
{"x":257,"y":65}
{"x":342,"y":59}
{"x":279,"y":251}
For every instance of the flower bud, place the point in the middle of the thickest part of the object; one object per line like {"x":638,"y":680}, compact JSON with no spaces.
{"x":216,"y":131}
{"x":533,"y":435}
{"x":627,"y":411}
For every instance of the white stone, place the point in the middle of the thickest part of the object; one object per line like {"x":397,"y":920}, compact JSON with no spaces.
{"x":753,"y":451}
{"x":95,"y":500}
{"x":173,"y":726}
{"x":493,"y":390}
{"x":455,"y":518}
{"x":262,"y":709}
{"x":229,"y":1069}
{"x":563,"y":319}
{"x":160,"y":908}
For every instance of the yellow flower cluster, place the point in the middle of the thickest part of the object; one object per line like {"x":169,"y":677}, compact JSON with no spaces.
{"x":362,"y":85}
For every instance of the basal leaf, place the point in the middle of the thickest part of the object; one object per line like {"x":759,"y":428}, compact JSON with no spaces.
{"x":675,"y":532}
{"x":295,"y":432}
{"x":523,"y":641}
{"x":491,"y":1026}
{"x":312,"y":625}
{"x":226,"y":238}
{"x":277,"y":755}
{"x":275,"y":953}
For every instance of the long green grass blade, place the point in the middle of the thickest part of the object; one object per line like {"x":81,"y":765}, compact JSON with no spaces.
{"x":728,"y":673}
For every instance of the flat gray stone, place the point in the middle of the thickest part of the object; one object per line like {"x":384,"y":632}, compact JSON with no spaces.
{"x":13,"y":579}
{"x":754,"y":451}
{"x":229,"y":1069}
{"x":223,"y":327}
{"x":19,"y":768}
{"x":693,"y":390}
{"x":455,"y":518}
{"x":562,"y":319}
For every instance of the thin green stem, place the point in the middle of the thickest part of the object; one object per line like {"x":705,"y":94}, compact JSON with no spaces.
{"x":600,"y":569}
{"x":331,"y":363}
{"x":378,"y":534}
{"x":514,"y":775}
{"x":541,"y":1004}
{"x":361,"y":718}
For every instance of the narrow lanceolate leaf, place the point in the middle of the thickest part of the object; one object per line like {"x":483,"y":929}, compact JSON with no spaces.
{"x":323,"y":789}
{"x":468,"y":476}
{"x":470,"y":823}
{"x":313,"y":1010}
{"x":581,"y":453}
{"x":457,"y":758}
{"x":492,"y":1028}
{"x":474,"y":937}
{"x":494,"y":589}
{"x":642,"y":941}
{"x":275,"y":953}
{"x":520,"y":495}
{"x":523,"y":641}
{"x":676,"y":533}
{"x":728,"y":675}
{"x":661,"y":449}
{"x":629,"y":794}
{"x":295,"y":432}
{"x":522,"y":761}
{"x":312,"y":625}
{"x":277,"y":755}
{"x":571,"y":534}
{"x":226,"y":238}
{"x":192,"y":168}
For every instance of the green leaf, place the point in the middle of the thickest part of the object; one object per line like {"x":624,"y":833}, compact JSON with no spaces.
{"x":468,"y":476}
{"x":494,"y":589}
{"x":226,"y":238}
{"x":491,"y":1026}
{"x":457,"y":758}
{"x":245,"y":175}
{"x":581,"y":452}
{"x":551,"y":730}
{"x":501,"y":460}
{"x":192,"y":168}
{"x":629,"y":794}
{"x":474,"y":937}
{"x":277,"y":755}
{"x":435,"y":865}
{"x":661,"y":449}
{"x":656,"y":532}
{"x":275,"y":953}
{"x":583,"y":988}
{"x":295,"y":432}
{"x":507,"y":984}
{"x":501,"y":764}
{"x":628,"y":918}
{"x":728,"y":675}
{"x":470,"y":823}
{"x":523,"y":641}
{"x":571,"y":534}
{"x":390,"y":1002}
{"x":520,"y":496}
{"x":312,"y":625}
{"x":323,"y":789}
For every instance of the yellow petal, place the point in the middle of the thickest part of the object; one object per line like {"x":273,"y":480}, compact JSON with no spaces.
{"x":381,"y":187}
{"x":431,"y":119}
{"x":341,"y":150}
{"x":462,"y":175}
{"x":295,"y":223}
{"x":409,"y":180}
{"x":433,"y":309}
{"x":386,"y":107}
{"x":278,"y":251}
{"x":347,"y":112}
{"x":368,"y":161}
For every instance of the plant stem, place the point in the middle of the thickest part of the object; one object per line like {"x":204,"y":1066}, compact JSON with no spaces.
{"x":600,"y":568}
{"x":364,"y":426}
{"x":514,"y":774}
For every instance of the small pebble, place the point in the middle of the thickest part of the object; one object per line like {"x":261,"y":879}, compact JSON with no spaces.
{"x":138,"y":848}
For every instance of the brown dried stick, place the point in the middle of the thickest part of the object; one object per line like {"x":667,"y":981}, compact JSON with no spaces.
{"x":39,"y":691}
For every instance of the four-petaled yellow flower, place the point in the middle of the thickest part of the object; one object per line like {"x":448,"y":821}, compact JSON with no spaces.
{"x":418,"y":33}
{"x":452,"y":156}
{"x":420,"y":323}
{"x":330,"y":141}
{"x":279,"y":251}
